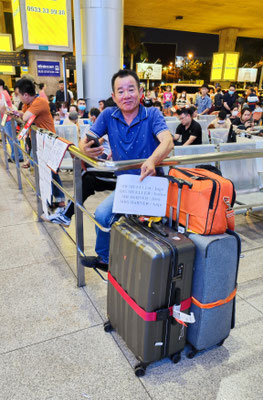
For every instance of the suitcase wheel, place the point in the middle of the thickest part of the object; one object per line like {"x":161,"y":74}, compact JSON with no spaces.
{"x":221,"y":343}
{"x":108,"y":327}
{"x":139,"y":370}
{"x":175,"y":358}
{"x":191,"y":353}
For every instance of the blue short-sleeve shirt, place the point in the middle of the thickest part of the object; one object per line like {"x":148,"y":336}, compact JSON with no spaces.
{"x":134,"y":141}
{"x":203,"y":103}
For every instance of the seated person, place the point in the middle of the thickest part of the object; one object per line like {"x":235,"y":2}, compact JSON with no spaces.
{"x":221,"y":121}
{"x":244,"y":123}
{"x":134,"y":133}
{"x":189,"y":129}
{"x":92,"y":182}
{"x":235,"y":112}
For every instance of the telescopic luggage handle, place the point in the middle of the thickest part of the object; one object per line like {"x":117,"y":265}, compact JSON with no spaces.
{"x":180,"y":183}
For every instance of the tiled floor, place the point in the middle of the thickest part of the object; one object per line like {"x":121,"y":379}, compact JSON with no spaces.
{"x":53,"y":346}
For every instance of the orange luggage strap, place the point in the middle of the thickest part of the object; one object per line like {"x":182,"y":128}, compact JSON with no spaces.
{"x":215,"y":303}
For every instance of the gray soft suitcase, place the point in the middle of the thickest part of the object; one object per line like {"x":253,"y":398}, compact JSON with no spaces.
{"x":214,"y":279}
{"x":148,"y":273}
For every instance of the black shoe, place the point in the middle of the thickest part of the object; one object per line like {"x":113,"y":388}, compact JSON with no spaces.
{"x":94,"y":262}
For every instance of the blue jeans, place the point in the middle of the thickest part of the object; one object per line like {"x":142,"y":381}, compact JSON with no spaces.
{"x":56,"y":192}
{"x":8,"y":131}
{"x":106,"y":218}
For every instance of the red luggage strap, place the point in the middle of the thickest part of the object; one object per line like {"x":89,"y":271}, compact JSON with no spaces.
{"x":158,"y":315}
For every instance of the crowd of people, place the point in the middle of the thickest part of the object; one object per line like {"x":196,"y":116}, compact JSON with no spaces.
{"x":130,"y":125}
{"x":207,"y":100}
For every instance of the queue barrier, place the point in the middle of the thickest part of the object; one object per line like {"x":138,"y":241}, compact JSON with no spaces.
{"x":104,"y":165}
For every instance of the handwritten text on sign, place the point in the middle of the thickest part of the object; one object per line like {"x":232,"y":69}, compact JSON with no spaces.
{"x":148,"y":197}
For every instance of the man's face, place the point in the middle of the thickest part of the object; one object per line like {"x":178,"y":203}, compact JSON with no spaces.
{"x":61,"y":86}
{"x":101,"y":105}
{"x":185,"y":119}
{"x":25,"y":98}
{"x":81,"y":103}
{"x":126,"y":93}
{"x":204,"y":91}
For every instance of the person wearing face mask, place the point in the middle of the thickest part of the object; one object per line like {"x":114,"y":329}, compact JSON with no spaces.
{"x":181,"y":101}
{"x":229,"y":99}
{"x":221,"y":121}
{"x":81,"y":103}
{"x":235,"y":112}
{"x":63,"y":111}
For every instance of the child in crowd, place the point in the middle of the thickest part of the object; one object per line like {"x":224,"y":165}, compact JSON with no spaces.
{"x":167,"y":100}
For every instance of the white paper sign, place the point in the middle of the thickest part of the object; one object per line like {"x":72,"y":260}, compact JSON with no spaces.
{"x":148,"y":197}
{"x":57,"y":154}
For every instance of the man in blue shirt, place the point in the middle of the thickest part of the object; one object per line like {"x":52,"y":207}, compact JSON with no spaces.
{"x":134,"y":132}
{"x":203,"y":102}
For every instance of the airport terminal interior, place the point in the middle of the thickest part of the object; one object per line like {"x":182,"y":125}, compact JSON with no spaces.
{"x":54,"y":344}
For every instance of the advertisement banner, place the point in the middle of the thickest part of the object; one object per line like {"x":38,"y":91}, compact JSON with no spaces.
{"x":231,"y":64}
{"x":6,"y":45}
{"x":48,"y":68}
{"x":149,"y":71}
{"x":17,"y":23}
{"x":217,"y":66}
{"x":247,"y":74}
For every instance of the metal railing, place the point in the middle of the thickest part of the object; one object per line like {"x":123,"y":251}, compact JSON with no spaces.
{"x":101,"y":165}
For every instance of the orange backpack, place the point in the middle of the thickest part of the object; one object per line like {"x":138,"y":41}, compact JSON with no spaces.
{"x":206,"y":207}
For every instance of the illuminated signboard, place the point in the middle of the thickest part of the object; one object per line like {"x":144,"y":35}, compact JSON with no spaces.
{"x":46,"y":24}
{"x":217,"y":66}
{"x":17,"y":24}
{"x":149,"y":71}
{"x":230,"y":68}
{"x":247,"y":74}
{"x":6,"y":45}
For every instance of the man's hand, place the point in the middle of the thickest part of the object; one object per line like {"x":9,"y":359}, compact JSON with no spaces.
{"x":85,"y":147}
{"x":147,"y":169}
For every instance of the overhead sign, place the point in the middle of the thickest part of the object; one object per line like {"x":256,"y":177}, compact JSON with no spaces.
{"x":46,"y":24}
{"x":6,"y":46}
{"x":14,"y":58}
{"x":217,"y":66}
{"x":149,"y":71}
{"x":48,"y":68}
{"x":70,"y":62}
{"x":17,"y":24}
{"x":247,"y":74}
{"x":230,"y":68}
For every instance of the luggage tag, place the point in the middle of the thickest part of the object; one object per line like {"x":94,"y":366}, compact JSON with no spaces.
{"x":178,"y":315}
{"x":24,"y":131}
{"x":3,"y":122}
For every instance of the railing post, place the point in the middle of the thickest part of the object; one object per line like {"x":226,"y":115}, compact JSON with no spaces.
{"x":34,"y":150}
{"x":79,"y":221}
{"x":3,"y":135}
{"x":13,"y":129}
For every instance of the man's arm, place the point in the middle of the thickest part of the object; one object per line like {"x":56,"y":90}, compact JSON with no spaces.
{"x":27,"y":115}
{"x":226,"y":106}
{"x":162,"y":151}
{"x":205,"y":111}
{"x":190,"y":140}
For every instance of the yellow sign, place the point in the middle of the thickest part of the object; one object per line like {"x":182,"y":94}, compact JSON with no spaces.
{"x":47,"y":22}
{"x":17,"y":23}
{"x":217,"y":66}
{"x":6,"y":45}
{"x":231,"y":66}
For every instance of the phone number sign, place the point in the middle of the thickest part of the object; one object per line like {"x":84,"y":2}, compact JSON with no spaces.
{"x":48,"y":68}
